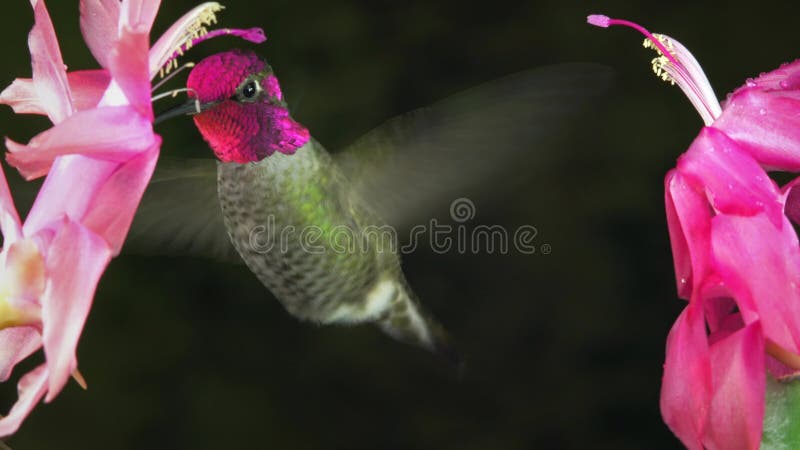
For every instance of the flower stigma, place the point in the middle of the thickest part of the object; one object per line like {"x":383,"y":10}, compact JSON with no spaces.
{"x":676,"y":65}
{"x":194,"y":29}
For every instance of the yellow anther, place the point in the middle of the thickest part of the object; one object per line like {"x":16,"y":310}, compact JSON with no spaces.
{"x":660,"y":62}
{"x":193,"y":31}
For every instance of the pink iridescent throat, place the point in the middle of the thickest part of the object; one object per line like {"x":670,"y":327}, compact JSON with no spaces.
{"x":241,"y":131}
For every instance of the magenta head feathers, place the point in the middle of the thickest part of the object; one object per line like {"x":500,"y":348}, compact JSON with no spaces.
{"x":244,"y":117}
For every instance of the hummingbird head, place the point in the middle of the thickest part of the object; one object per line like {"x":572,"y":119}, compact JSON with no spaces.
{"x":242,"y":113}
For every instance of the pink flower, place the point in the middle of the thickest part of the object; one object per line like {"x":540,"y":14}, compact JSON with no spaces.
{"x":98,"y":158}
{"x":736,"y":254}
{"x":48,"y":281}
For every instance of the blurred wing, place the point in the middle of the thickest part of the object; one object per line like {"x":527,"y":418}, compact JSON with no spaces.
{"x":467,"y":144}
{"x":180,"y":213}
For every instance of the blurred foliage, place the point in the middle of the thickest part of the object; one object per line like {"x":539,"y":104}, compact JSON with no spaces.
{"x":782,"y":415}
{"x":563,"y":350}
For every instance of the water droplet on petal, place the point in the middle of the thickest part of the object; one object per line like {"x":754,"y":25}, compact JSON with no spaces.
{"x":750,"y":83}
{"x":762,"y":112}
{"x":784,"y":84}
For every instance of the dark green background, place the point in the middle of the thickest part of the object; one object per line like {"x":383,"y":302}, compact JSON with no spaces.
{"x":564,"y":351}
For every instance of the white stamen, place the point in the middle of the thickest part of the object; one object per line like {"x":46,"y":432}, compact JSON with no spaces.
{"x":174,"y":93}
{"x":192,"y":26}
{"x":188,"y":65}
{"x":687,"y":74}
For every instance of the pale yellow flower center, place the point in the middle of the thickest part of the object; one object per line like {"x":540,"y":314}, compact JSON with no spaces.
{"x":22,"y":284}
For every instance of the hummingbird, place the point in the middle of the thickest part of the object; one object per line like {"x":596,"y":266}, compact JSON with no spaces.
{"x":309,"y":224}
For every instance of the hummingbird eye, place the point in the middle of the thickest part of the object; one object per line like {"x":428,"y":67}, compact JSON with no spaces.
{"x":248,"y":91}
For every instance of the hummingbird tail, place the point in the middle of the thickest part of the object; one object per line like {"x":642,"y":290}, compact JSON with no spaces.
{"x":407,"y":321}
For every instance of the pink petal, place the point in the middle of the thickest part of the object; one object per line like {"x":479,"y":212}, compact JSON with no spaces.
{"x":779,"y":370}
{"x":22,"y":97}
{"x":761,"y":265}
{"x":721,"y":317}
{"x":686,"y":387}
{"x":765,"y":124}
{"x":737,"y":407}
{"x":105,"y":199}
{"x":689,"y":222}
{"x":61,"y":195}
{"x":116,"y":202}
{"x":787,"y":76}
{"x":87,"y":88}
{"x":681,"y":257}
{"x":10,"y":225}
{"x":100,"y":27}
{"x":138,"y":15}
{"x":75,"y":261}
{"x":113,"y":133}
{"x":30,"y":390}
{"x":792,"y":203}
{"x":49,"y":73}
{"x":128,"y":66}
{"x":16,"y":344}
{"x":733,"y":180}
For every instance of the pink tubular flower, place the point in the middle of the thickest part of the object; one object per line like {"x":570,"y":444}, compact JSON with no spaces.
{"x":736,"y":254}
{"x":98,"y":158}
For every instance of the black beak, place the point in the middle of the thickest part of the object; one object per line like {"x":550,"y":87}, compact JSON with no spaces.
{"x":191,"y":107}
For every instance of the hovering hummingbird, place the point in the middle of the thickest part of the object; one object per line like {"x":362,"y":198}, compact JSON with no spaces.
{"x":273,"y":177}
